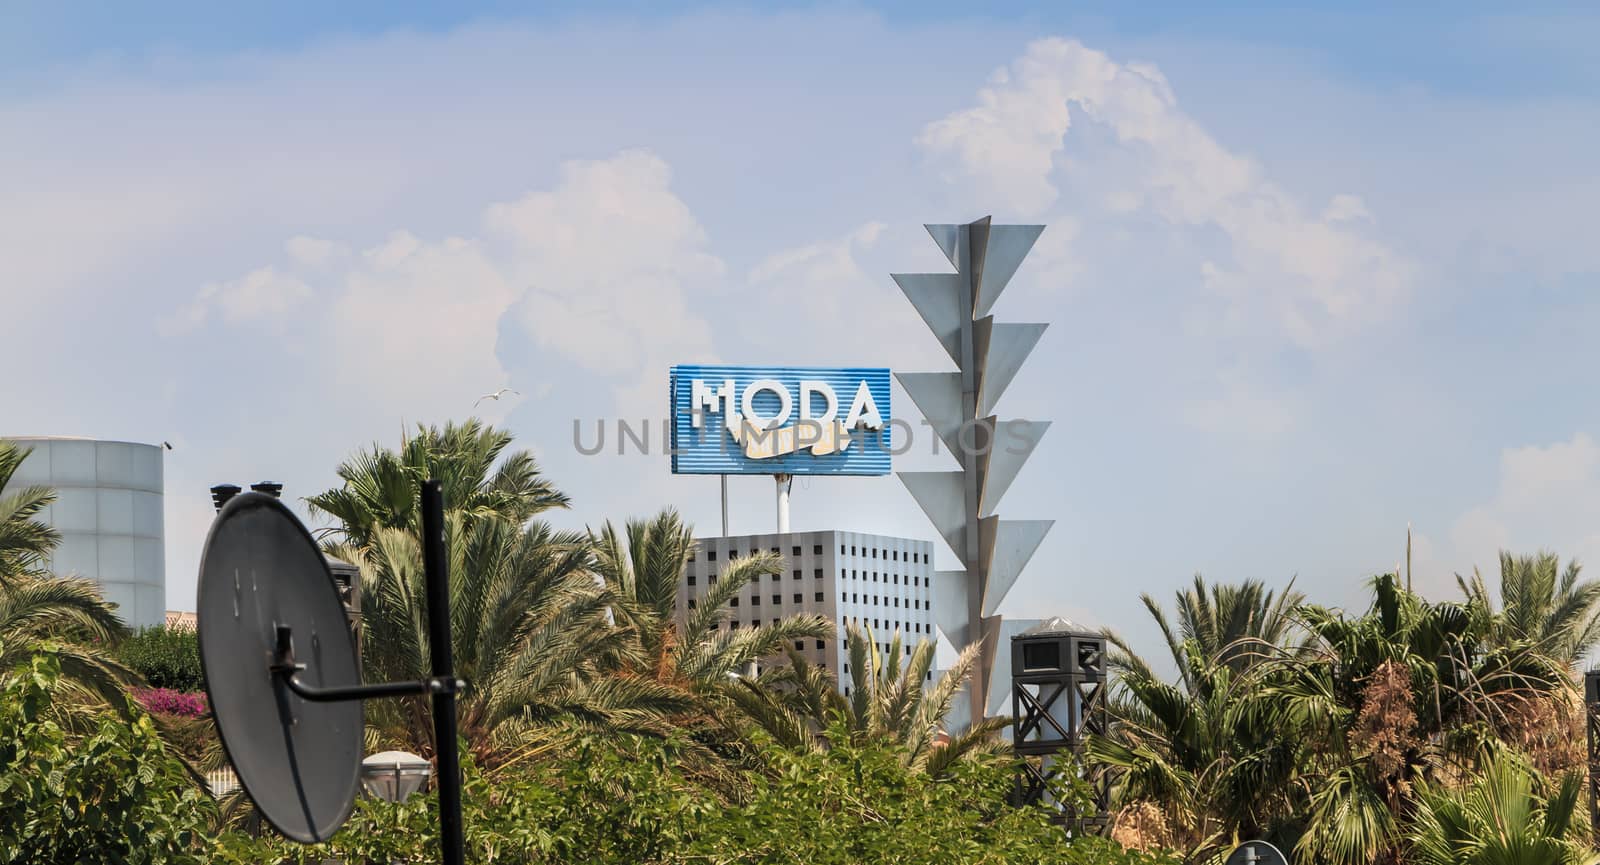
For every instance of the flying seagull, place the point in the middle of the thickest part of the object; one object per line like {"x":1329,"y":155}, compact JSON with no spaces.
{"x":496,"y":395}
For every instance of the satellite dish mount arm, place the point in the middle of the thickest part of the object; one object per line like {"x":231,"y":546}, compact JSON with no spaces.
{"x":288,"y":668}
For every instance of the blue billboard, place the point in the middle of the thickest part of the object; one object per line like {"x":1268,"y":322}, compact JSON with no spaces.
{"x":765,"y":420}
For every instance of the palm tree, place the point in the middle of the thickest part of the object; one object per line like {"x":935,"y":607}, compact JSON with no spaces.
{"x":642,"y":568}
{"x":1540,"y":604}
{"x":889,"y":700}
{"x":381,"y":486}
{"x":68,"y":614}
{"x":1226,"y":623}
{"x":25,"y":543}
{"x":1205,"y":747}
{"x":528,"y":629}
{"x":1403,"y":695}
{"x":1508,"y":814}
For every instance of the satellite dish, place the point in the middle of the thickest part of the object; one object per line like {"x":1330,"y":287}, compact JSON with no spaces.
{"x":1256,"y":853}
{"x":264,"y":583}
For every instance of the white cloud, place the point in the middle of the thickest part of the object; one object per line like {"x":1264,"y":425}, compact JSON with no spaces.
{"x":1548,"y":497}
{"x":1307,"y":277}
{"x":263,"y":293}
{"x":595,"y":270}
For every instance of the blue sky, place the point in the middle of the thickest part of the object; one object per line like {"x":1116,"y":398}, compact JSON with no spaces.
{"x":1310,"y":275}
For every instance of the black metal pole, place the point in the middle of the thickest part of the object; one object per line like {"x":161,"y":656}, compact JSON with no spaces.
{"x":437,"y":569}
{"x":1591,"y":724}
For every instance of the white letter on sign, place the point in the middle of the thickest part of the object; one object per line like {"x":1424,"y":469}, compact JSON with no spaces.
{"x":863,"y":411}
{"x":704,"y":398}
{"x":786,"y":403}
{"x":812,"y":386}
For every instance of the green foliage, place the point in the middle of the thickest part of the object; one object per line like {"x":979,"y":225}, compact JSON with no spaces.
{"x":624,"y":800}
{"x":165,"y":657}
{"x":111,"y":794}
{"x":1509,"y":814}
{"x":25,"y":543}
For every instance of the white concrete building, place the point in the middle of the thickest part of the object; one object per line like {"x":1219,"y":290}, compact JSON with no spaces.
{"x":847,"y":577}
{"x":108,"y":510}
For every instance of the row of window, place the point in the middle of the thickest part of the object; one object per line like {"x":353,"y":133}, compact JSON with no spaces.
{"x":855,"y":598}
{"x":756,"y":600}
{"x":712,"y":578}
{"x":892,"y":579}
{"x":894,"y":555}
{"x":816,"y":550}
{"x":916,"y":627}
{"x":794,"y":552}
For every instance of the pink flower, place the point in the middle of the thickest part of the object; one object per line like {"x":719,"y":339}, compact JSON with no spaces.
{"x":165,"y":701}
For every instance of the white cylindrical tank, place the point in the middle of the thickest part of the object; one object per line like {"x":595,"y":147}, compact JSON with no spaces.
{"x":108,"y":510}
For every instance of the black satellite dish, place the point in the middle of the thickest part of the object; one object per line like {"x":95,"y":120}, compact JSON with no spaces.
{"x":280,"y":669}
{"x":299,"y":760}
{"x":1256,"y":853}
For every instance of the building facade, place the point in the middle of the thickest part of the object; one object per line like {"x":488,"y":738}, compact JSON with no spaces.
{"x":109,"y":511}
{"x":872,"y":581}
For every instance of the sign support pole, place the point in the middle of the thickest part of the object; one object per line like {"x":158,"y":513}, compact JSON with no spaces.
{"x":724,"y":505}
{"x":784,"y":483}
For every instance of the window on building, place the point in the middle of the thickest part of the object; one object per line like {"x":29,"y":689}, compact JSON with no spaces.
{"x":691,"y":579}
{"x":897,"y":602}
{"x":895,"y":578}
{"x":795,"y":551}
{"x":799,"y":645}
{"x":733,"y":602}
{"x":908,"y":650}
{"x":775,"y":551}
{"x":712,"y":579}
{"x":817,"y":598}
{"x":928,"y":675}
{"x":733,"y":625}
{"x":774,"y":621}
{"x":797,"y":575}
{"x":819,"y":645}
{"x":816,"y":550}
{"x":874,"y":552}
{"x":692,"y":554}
{"x":847,"y":668}
{"x":817,"y":573}
{"x":841,"y":549}
{"x":691,"y":603}
{"x":733,"y":554}
{"x":798,"y":597}
{"x":755,"y":601}
{"x":755,"y":623}
{"x":711,"y":555}
{"x":777,"y":599}
{"x":847,"y":690}
{"x":852,"y":550}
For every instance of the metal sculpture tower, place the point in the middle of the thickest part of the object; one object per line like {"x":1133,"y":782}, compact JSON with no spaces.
{"x":960,"y":408}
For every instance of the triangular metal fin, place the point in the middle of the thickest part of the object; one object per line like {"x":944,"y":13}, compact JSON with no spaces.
{"x":1015,"y":441}
{"x":978,"y":243}
{"x":1004,"y":249}
{"x":942,"y":496}
{"x":1000,"y":350}
{"x":938,"y":397}
{"x":950,"y":606}
{"x":947,"y":236}
{"x":937,"y":297}
{"x":1006,"y":546}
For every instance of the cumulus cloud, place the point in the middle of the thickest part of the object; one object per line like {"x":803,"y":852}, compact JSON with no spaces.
{"x":263,"y":293}
{"x":1307,"y":275}
{"x":593,"y":269}
{"x":1548,"y":497}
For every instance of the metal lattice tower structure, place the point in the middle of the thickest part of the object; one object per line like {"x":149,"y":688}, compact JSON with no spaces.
{"x":1058,"y":700}
{"x":960,"y":408}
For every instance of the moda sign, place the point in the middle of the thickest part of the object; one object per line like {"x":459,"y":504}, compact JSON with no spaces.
{"x":780,"y":420}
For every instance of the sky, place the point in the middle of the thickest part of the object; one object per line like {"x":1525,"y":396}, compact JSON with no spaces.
{"x":1310,"y":275}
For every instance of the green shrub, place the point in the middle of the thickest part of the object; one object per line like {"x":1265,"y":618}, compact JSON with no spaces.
{"x":626,"y":801}
{"x":109,"y":794}
{"x":165,"y":657}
